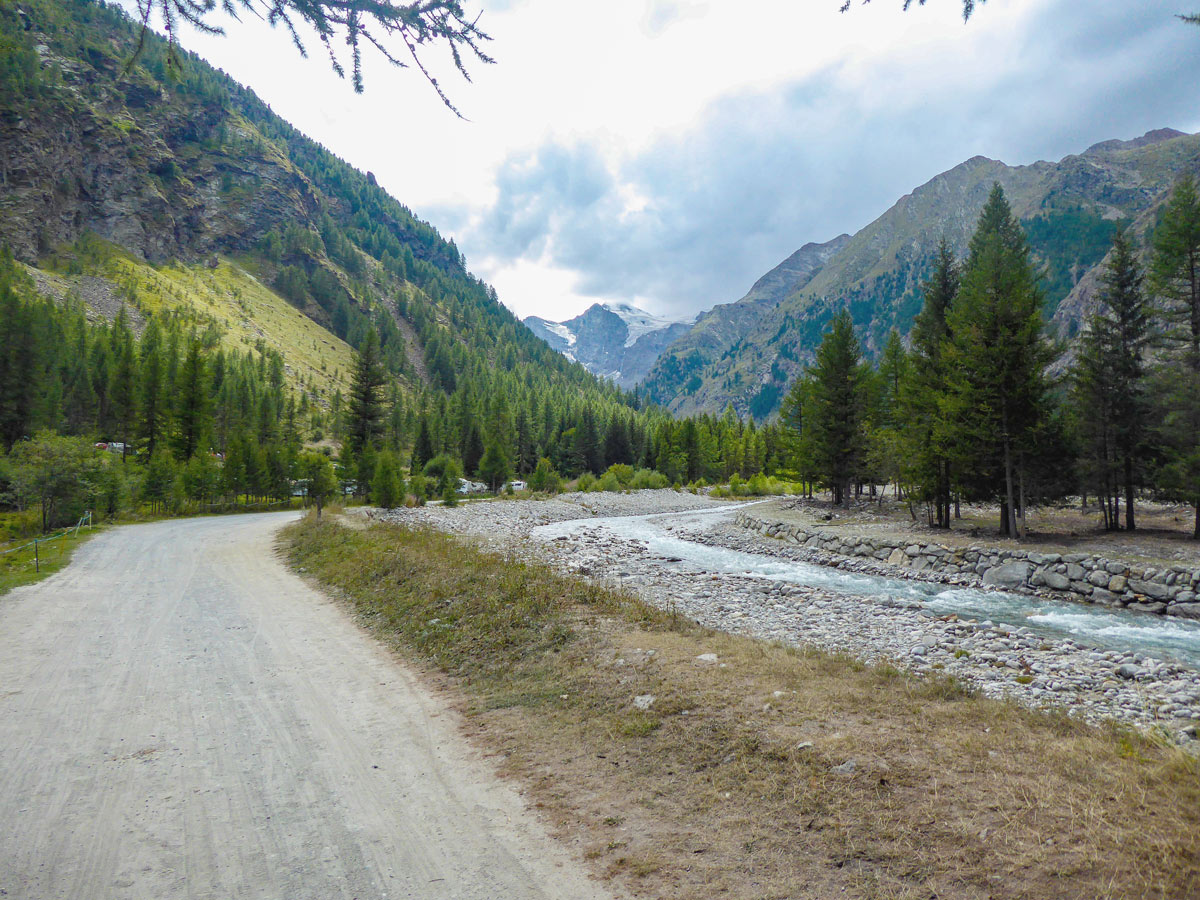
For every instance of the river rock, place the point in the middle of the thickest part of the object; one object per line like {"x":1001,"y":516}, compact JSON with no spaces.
{"x":1150,"y":589}
{"x":1056,"y":581}
{"x":1009,"y":575}
{"x":1118,"y":583}
{"x":1187,"y":610}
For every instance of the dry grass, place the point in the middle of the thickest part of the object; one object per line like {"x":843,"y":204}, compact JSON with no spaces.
{"x":728,"y":786}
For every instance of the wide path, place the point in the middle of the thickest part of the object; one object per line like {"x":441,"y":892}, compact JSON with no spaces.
{"x":180,"y":716}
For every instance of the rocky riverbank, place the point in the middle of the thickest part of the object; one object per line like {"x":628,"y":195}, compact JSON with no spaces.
{"x":1169,"y":590}
{"x":1001,"y":660}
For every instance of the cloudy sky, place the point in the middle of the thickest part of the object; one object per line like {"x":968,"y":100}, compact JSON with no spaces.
{"x":669,"y":153}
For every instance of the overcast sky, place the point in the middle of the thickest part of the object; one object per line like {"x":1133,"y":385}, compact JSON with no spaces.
{"x":669,"y":153}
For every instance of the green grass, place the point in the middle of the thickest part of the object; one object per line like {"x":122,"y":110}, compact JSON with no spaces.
{"x":17,"y":569}
{"x":727,"y":784}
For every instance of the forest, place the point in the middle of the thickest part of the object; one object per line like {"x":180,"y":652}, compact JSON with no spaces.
{"x":976,"y":409}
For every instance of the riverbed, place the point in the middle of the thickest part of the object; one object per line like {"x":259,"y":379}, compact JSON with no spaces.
{"x":677,"y":552}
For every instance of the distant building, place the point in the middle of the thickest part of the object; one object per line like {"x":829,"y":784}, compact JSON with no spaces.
{"x":517,"y":484}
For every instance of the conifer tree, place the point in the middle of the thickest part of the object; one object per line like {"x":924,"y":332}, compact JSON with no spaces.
{"x":365,"y":408}
{"x":996,"y":359}
{"x":838,"y":407}
{"x":153,"y":399}
{"x":1175,"y":277}
{"x":1110,"y":378}
{"x":192,"y":403}
{"x":122,"y":389}
{"x":927,"y":457}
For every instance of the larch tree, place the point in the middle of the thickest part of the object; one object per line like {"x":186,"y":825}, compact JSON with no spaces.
{"x":193,"y":404}
{"x":996,"y":358}
{"x":926,"y":384}
{"x":1110,"y":389}
{"x":1175,"y":278}
{"x":400,"y":32}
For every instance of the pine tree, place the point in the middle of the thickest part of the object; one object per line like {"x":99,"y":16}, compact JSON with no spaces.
{"x":153,"y":398}
{"x":927,"y":458}
{"x":837,"y":413}
{"x":192,"y":404}
{"x":387,"y":488}
{"x":996,"y":359}
{"x":1110,"y":378}
{"x":494,"y":467}
{"x":365,"y":409}
{"x":1175,"y":277}
{"x":122,"y":389}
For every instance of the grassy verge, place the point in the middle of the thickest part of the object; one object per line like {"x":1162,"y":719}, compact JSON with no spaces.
{"x":770,"y":772}
{"x":19,"y":568}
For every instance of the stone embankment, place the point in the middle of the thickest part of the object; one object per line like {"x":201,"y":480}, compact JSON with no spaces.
{"x":1168,"y":590}
{"x":1000,"y":660}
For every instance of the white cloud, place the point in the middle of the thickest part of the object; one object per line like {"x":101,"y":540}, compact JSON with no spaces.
{"x":667,"y":153}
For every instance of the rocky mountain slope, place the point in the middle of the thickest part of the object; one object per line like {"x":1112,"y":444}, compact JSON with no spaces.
{"x":183,"y":190}
{"x":616,"y":341}
{"x":1069,"y":209}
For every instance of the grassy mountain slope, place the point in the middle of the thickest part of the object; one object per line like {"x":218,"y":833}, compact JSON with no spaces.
{"x":217,"y":204}
{"x":1069,"y":210}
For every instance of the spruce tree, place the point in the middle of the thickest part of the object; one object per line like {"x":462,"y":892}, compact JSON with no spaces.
{"x":1110,"y":378}
{"x":1175,"y":277}
{"x":153,"y":403}
{"x":838,"y":408}
{"x":996,"y":359}
{"x":192,"y":403}
{"x":364,"y":412}
{"x":928,"y":459}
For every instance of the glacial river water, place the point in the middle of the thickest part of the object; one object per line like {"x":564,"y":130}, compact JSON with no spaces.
{"x":1115,"y":629}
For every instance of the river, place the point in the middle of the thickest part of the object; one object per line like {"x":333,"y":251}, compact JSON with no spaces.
{"x":1104,"y":627}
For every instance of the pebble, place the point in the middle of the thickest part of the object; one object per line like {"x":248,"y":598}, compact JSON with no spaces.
{"x":1096,"y":685}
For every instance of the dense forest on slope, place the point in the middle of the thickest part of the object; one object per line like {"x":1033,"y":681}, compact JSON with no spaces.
{"x":1069,"y":210}
{"x":173,"y":206}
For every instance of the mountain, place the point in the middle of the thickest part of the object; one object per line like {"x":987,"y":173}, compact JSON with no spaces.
{"x":613,"y":340}
{"x":1069,"y":209}
{"x":125,"y":180}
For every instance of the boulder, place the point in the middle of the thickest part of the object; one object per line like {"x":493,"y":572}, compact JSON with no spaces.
{"x":1056,"y":581}
{"x":1099,"y":578}
{"x":1151,"y":589}
{"x":1009,"y":575}
{"x":1187,"y":610}
{"x":1118,"y":583}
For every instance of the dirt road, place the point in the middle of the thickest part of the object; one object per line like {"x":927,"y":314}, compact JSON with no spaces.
{"x":182,"y":717}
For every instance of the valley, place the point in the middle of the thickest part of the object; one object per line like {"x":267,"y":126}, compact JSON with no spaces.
{"x":882,"y":580}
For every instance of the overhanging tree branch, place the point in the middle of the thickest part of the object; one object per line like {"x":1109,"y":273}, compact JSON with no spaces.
{"x":379,"y":23}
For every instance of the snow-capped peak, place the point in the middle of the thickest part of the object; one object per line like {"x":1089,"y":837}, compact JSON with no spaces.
{"x":637,"y":321}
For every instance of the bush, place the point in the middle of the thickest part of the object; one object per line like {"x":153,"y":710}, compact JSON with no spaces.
{"x":544,"y":478}
{"x":586,"y":482}
{"x":621,"y":472}
{"x":648,"y":479}
{"x":609,"y":482}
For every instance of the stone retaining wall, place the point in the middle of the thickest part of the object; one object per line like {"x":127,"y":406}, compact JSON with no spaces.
{"x":1171,"y":590}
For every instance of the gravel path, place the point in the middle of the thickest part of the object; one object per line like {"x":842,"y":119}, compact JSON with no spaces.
{"x":180,"y":716}
{"x":1001,"y":660}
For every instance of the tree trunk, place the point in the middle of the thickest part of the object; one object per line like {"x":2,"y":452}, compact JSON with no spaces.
{"x":1021,"y":479}
{"x":1008,"y":485}
{"x":1004,"y":532}
{"x":1129,"y":523}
